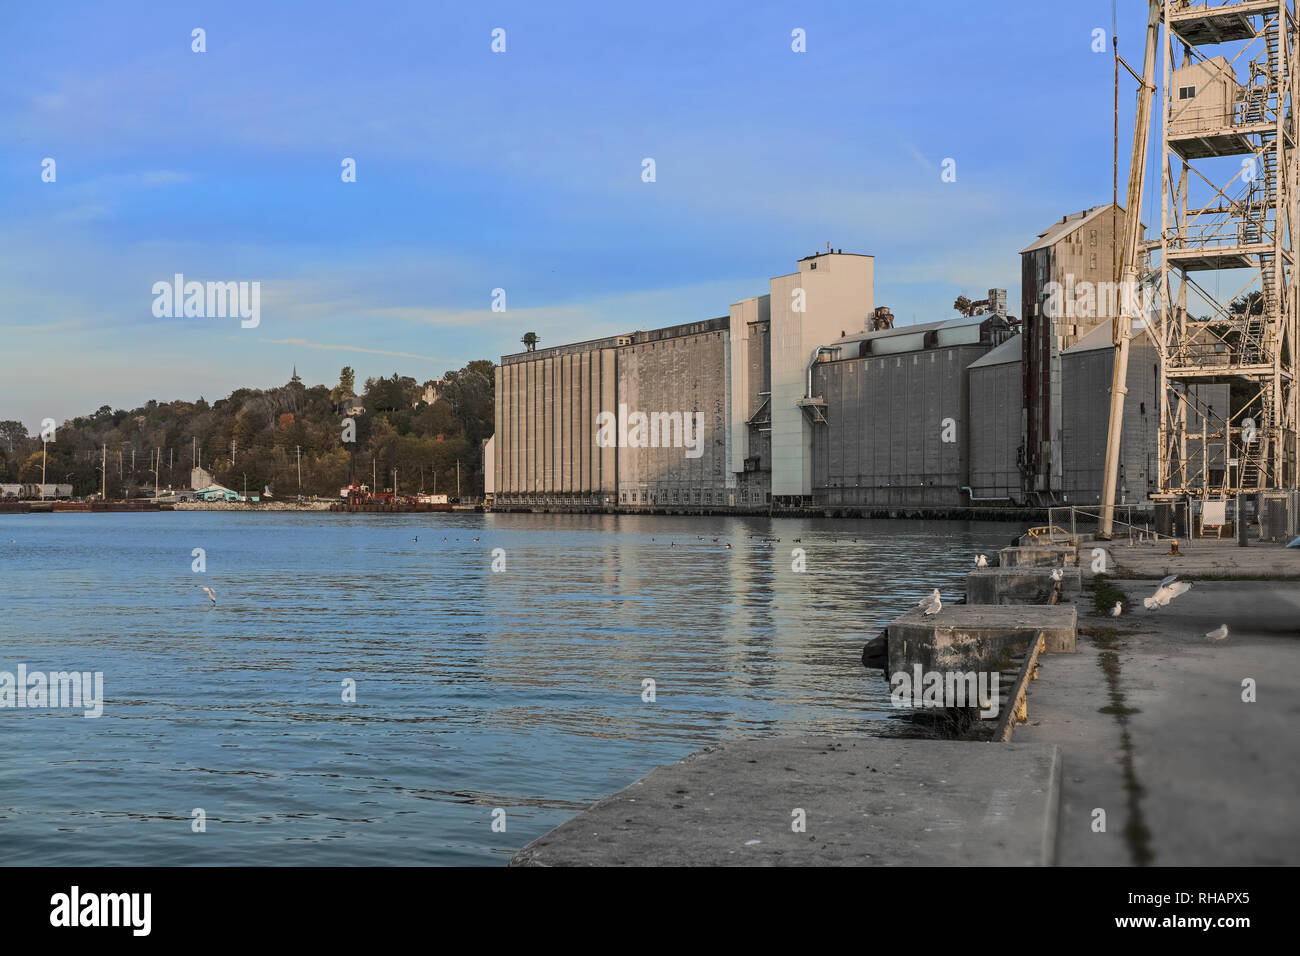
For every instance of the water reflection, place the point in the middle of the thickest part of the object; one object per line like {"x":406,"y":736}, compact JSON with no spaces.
{"x":475,"y":690}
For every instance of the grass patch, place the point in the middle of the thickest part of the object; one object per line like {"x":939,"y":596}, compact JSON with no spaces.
{"x":1118,"y":710}
{"x":1104,"y":595}
{"x":1136,"y":833}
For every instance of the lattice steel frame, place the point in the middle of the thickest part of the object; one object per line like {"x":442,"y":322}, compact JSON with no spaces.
{"x":1245,"y":223}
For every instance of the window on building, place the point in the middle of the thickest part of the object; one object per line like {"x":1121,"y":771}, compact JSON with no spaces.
{"x":1187,"y":92}
{"x":1092,"y":261}
{"x":1092,"y":237}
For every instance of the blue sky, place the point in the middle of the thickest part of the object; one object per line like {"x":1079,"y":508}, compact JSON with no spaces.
{"x":518,"y":170}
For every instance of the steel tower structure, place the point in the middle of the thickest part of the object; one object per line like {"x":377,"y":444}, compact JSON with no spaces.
{"x":1228,"y":216}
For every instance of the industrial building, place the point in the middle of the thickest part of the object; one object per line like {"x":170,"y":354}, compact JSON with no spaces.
{"x":898,"y":412}
{"x":1068,"y":287}
{"x":743,"y":376}
{"x":809,"y":397}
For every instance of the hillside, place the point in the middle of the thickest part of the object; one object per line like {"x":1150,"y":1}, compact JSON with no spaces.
{"x":260,"y":436}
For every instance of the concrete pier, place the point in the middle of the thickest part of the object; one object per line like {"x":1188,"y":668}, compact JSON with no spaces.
{"x":1156,"y":728}
{"x":1022,"y":584}
{"x":1039,"y":556}
{"x":864,"y":802}
{"x":965,"y":637}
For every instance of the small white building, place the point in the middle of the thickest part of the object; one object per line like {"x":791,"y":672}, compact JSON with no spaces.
{"x":1205,"y":94}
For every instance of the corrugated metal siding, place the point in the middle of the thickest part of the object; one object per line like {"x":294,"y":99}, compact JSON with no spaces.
{"x":995,"y":423}
{"x":883,"y":444}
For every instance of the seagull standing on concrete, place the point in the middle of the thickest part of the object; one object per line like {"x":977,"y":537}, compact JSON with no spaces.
{"x":981,"y":561}
{"x":1058,"y":574}
{"x":1118,"y":609}
{"x":1166,"y":593}
{"x":1219,"y":633}
{"x":931,"y":604}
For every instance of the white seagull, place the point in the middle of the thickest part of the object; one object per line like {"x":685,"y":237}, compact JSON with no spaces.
{"x":1058,"y":574}
{"x":1218,"y":634}
{"x":1166,"y":593}
{"x":209,"y":593}
{"x":1118,"y":609}
{"x":981,"y":561}
{"x":931,"y":604}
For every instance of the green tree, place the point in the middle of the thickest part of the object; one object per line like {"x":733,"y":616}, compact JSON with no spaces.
{"x":345,"y":389}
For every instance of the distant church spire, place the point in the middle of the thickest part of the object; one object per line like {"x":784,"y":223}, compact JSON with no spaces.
{"x":295,"y":380}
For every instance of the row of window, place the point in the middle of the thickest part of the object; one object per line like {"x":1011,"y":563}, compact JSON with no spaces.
{"x":692,"y":497}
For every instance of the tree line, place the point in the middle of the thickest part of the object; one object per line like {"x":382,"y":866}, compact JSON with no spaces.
{"x":258,"y":438}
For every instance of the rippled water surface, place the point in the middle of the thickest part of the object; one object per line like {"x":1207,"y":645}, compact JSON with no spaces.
{"x":475,"y":690}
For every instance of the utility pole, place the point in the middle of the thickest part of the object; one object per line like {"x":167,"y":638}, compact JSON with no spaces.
{"x":298,"y":450}
{"x":103,"y":472}
{"x":435,"y":481}
{"x":194,"y":452}
{"x":1130,"y":296}
{"x":157,"y":463}
{"x":394,"y":484}
{"x":133,"y":460}
{"x":374,"y":476}
{"x":43,"y":445}
{"x":458,"y":478}
{"x":232,"y":453}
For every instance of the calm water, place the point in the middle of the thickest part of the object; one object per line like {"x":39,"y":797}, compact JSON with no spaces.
{"x":474,"y":690}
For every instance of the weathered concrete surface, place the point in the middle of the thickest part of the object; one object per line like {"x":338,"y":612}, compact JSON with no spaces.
{"x":1019,"y":585}
{"x":1039,"y":556}
{"x":963,"y":637}
{"x":1218,"y":778}
{"x":1202,"y":556}
{"x":868,"y":802}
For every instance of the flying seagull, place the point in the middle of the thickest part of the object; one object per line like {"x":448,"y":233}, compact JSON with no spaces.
{"x":1118,"y":609}
{"x":1166,"y":593}
{"x":1058,"y":574}
{"x":209,"y":593}
{"x":931,"y":604}
{"x":981,"y":560}
{"x":1219,"y":633}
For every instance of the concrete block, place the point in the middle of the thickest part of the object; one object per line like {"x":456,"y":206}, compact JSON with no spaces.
{"x":1041,"y":556}
{"x":1024,"y":584}
{"x":966,"y":637}
{"x":866,"y":801}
